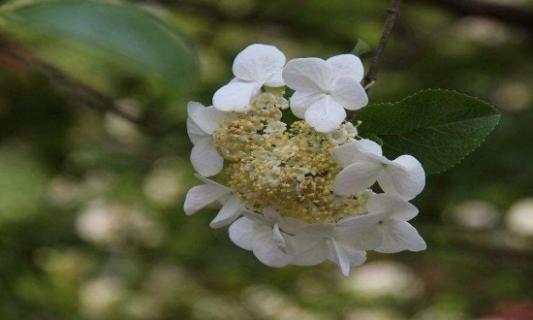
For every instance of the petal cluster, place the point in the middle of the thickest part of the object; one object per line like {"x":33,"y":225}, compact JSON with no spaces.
{"x":364,"y":164}
{"x":324,"y":88}
{"x":305,"y":192}
{"x":254,"y":67}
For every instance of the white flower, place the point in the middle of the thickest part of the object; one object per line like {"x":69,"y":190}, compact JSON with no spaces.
{"x":277,"y":241}
{"x":385,"y":227}
{"x":318,"y":242}
{"x":201,"y":124}
{"x":261,"y":235}
{"x":300,"y":193}
{"x":364,"y":164}
{"x":324,"y":88}
{"x":203,"y":195}
{"x":255,"y":66}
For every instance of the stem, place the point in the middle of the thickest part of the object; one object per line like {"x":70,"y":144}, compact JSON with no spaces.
{"x":392,"y":13}
{"x":17,"y":58}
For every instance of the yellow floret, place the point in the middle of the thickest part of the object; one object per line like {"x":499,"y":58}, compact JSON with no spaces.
{"x":290,"y":170}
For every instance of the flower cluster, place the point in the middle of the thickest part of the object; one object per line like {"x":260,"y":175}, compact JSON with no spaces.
{"x":303,"y":192}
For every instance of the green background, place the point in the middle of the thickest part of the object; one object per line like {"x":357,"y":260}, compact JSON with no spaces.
{"x":91,"y":218}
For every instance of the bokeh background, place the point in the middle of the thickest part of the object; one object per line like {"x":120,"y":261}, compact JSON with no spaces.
{"x":94,"y":168}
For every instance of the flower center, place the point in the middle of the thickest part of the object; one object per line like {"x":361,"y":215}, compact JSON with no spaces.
{"x":290,"y":170}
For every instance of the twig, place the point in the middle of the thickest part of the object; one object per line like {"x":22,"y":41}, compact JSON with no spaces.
{"x":392,"y":13}
{"x":19,"y":59}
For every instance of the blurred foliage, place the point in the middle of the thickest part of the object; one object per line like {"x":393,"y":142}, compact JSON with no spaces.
{"x":91,"y":219}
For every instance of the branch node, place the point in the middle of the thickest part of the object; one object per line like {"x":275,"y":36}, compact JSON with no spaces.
{"x":392,"y":13}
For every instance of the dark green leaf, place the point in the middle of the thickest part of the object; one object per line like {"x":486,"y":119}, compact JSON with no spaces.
{"x":439,"y":127}
{"x":125,"y":32}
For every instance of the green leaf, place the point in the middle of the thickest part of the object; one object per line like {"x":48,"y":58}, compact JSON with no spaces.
{"x":438,"y":127}
{"x":126,"y":33}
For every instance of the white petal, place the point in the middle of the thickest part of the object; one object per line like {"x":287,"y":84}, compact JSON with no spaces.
{"x":258,"y":63}
{"x":278,"y":239}
{"x":195,"y":132}
{"x":347,"y":65}
{"x":243,"y":232}
{"x":205,"y":158}
{"x":405,"y":176}
{"x":341,"y":258}
{"x":235,"y":96}
{"x":270,"y":255}
{"x":350,"y":152}
{"x":266,"y":250}
{"x":368,"y":146}
{"x":394,"y":207}
{"x":201,"y":196}
{"x":206,"y":118}
{"x":209,"y":181}
{"x":307,"y":250}
{"x":349,"y":93}
{"x":325,"y":115}
{"x":275,"y":80}
{"x":399,"y":236}
{"x":292,"y":225}
{"x":357,"y":177}
{"x":308,"y":74}
{"x":229,"y":212}
{"x":302,"y":100}
{"x":362,"y":232}
{"x":346,"y":257}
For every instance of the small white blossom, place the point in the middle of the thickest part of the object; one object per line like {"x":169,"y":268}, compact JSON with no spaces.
{"x":261,"y":235}
{"x":324,"y":88}
{"x":203,"y":195}
{"x":277,"y":241}
{"x":385,"y":227}
{"x":316,"y":243}
{"x":364,"y":164}
{"x":257,"y":65}
{"x":201,"y":124}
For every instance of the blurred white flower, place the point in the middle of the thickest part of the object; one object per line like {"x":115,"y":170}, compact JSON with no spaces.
{"x":99,"y":297}
{"x":373,"y":314}
{"x":64,"y":191}
{"x":110,"y":224}
{"x":257,"y":65}
{"x":513,"y":95}
{"x":269,"y":303}
{"x":384,"y":279}
{"x":164,"y":184}
{"x":324,"y":88}
{"x":474,"y":214}
{"x":96,"y":224}
{"x":519,"y":219}
{"x":484,"y":31}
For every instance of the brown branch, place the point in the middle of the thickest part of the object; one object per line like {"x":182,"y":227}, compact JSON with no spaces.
{"x":21,"y":60}
{"x":392,"y":15}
